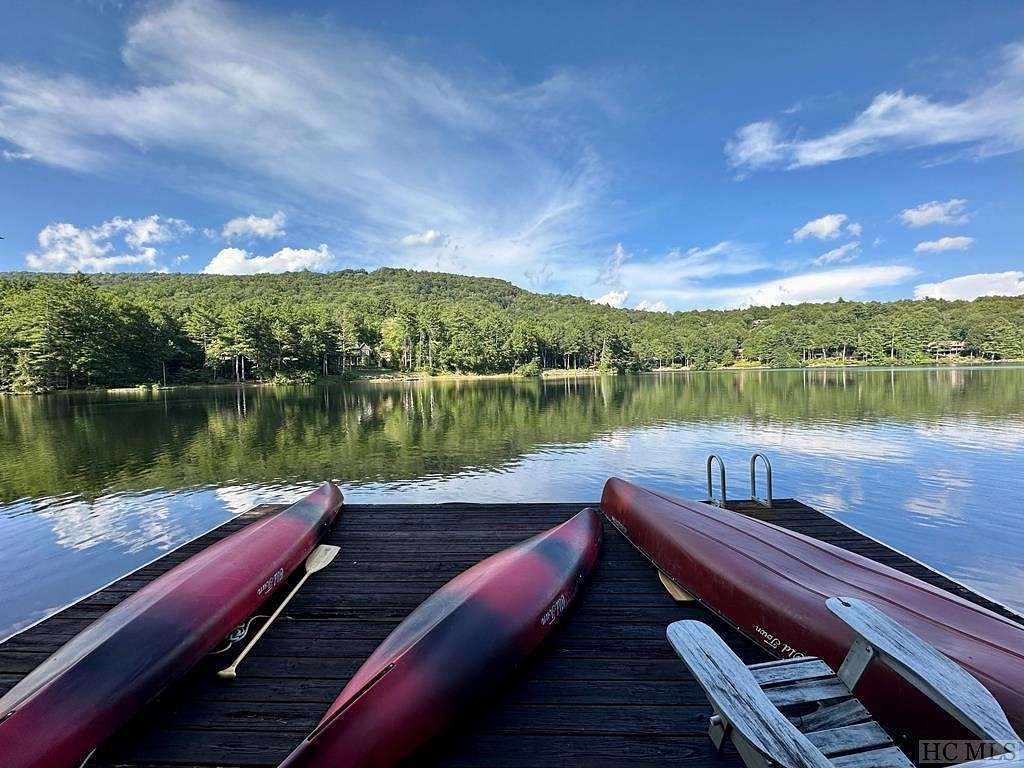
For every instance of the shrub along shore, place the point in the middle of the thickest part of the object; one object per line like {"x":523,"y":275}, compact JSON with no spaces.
{"x":74,"y":331}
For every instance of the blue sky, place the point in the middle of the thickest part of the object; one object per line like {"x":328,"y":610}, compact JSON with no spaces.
{"x":656,"y":156}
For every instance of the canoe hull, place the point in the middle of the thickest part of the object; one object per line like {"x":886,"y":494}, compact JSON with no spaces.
{"x":462,"y":640}
{"x":98,"y":680}
{"x":771,"y":584}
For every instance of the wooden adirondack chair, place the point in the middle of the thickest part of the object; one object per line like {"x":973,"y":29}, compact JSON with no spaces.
{"x":749,"y":702}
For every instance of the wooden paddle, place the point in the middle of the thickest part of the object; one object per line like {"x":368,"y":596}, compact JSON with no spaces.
{"x":318,"y":559}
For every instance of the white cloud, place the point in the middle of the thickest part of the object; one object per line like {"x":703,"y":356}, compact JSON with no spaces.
{"x":678,"y":280}
{"x":972,"y":286}
{"x":15,"y":156}
{"x":64,"y":247}
{"x":826,"y":285}
{"x":944,"y":244}
{"x":935,"y":212}
{"x":828,"y":227}
{"x":988,"y":121}
{"x":243,"y":106}
{"x":236,"y":261}
{"x":430,"y":238}
{"x":843,"y":253}
{"x":182,"y":258}
{"x":151,"y":229}
{"x":651,"y":306}
{"x":829,"y":285}
{"x":854,"y":229}
{"x":255,"y":226}
{"x":615,"y":299}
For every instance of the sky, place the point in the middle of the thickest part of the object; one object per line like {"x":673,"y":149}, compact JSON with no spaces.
{"x":665,"y":156}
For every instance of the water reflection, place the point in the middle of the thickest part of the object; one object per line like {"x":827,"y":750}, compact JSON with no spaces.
{"x":94,"y":485}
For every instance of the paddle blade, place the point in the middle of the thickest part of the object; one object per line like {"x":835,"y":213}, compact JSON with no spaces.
{"x":321,"y":557}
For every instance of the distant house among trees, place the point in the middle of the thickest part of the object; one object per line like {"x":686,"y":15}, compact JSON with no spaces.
{"x":947,"y":349}
{"x":359,"y":355}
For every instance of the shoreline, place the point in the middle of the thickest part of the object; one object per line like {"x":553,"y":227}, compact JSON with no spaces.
{"x":550,"y":374}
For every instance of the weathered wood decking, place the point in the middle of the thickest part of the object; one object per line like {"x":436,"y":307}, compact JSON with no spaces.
{"x":607,"y":690}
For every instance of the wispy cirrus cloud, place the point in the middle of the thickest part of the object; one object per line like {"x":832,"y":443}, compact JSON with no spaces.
{"x":935,"y":212}
{"x":724,"y":258}
{"x":845,"y":252}
{"x":670,"y":280}
{"x":610,"y":272}
{"x":961,"y":243}
{"x":371,"y":141}
{"x":987,"y":121}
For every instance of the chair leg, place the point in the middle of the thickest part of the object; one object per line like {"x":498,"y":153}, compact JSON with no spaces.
{"x":751,"y":757}
{"x":718,"y":729}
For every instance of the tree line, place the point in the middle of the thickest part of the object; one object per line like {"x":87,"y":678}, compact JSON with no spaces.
{"x":73,"y":331}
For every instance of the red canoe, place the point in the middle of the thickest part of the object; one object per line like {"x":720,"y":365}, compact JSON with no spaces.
{"x":84,"y":692}
{"x":772,"y":584}
{"x":462,"y":640}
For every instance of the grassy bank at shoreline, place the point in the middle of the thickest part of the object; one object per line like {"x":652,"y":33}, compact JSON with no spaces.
{"x":386,"y":376}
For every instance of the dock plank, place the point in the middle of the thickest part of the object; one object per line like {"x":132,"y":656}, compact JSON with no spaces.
{"x":606,"y":690}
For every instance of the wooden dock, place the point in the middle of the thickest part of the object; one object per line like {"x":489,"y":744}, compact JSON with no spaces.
{"x":606,"y":690}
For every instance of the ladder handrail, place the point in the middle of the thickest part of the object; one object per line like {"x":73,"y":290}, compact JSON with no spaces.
{"x":712,"y":457}
{"x":768,"y":500}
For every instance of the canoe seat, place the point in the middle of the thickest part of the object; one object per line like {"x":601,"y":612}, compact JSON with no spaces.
{"x":799,"y":713}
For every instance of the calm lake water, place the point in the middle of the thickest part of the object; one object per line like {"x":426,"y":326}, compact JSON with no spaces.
{"x":94,"y":485}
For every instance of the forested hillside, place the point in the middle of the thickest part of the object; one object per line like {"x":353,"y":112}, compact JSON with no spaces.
{"x":67,"y":331}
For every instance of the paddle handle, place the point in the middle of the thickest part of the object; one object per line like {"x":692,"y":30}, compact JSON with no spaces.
{"x":229,"y":672}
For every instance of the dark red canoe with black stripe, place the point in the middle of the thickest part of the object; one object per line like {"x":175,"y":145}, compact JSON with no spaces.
{"x":454,"y":648}
{"x":83,"y":693}
{"x":771,"y":584}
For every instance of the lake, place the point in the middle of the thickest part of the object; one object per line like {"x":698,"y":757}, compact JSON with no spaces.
{"x":93,"y":485}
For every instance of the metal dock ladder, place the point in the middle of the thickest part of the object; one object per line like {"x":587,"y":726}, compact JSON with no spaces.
{"x":768,"y":501}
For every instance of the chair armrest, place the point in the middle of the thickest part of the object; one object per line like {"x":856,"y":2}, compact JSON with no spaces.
{"x":738,"y":699}
{"x":933,"y":673}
